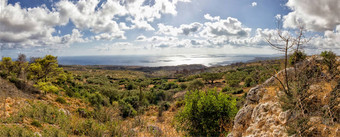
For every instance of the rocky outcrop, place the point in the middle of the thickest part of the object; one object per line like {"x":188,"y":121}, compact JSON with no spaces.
{"x":261,"y":115}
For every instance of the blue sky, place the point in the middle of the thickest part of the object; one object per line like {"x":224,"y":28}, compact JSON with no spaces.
{"x":129,"y":27}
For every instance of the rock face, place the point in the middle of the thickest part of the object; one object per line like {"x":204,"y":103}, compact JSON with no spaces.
{"x":261,"y":115}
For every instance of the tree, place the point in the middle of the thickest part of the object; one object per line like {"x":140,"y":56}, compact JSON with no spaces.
{"x":6,"y":66}
{"x":286,"y":42}
{"x":21,"y":65}
{"x":45,"y":69}
{"x":211,"y":77}
{"x":207,"y":113}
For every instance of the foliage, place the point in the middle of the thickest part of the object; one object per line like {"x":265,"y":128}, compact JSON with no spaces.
{"x":206,"y":112}
{"x":183,"y":86}
{"x":47,"y":87}
{"x":45,"y":69}
{"x":61,"y":100}
{"x":126,"y":109}
{"x":211,"y":77}
{"x":15,"y":131}
{"x":248,"y":81}
{"x":36,"y":123}
{"x":6,"y":65}
{"x":196,"y":85}
{"x":296,"y":57}
{"x":97,"y":100}
{"x":328,"y":59}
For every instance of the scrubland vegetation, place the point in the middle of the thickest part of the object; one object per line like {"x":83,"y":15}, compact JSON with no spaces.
{"x":101,"y":102}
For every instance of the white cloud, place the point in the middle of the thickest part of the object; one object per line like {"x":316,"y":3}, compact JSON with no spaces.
{"x":254,"y":4}
{"x":109,"y":36}
{"x":36,"y":26}
{"x":209,"y":17}
{"x":184,"y":29}
{"x":25,"y":27}
{"x":278,"y":16}
{"x":141,"y":38}
{"x":225,"y":28}
{"x":315,"y":15}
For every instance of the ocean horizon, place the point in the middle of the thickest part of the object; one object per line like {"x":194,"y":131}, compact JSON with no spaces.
{"x":159,"y":60}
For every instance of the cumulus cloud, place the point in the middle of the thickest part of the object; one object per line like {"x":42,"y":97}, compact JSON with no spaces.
{"x":184,"y":29}
{"x":36,"y":26}
{"x":209,"y":17}
{"x":226,"y":28}
{"x":317,"y":15}
{"x":254,"y":4}
{"x":141,"y":38}
{"x":23,"y":27}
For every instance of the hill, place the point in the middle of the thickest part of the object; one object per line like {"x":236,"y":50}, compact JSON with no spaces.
{"x":148,"y":101}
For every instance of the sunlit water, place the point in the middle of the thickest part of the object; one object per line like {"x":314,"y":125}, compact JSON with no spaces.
{"x":152,"y":61}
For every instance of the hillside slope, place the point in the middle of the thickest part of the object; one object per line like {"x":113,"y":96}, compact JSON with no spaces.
{"x":263,"y":113}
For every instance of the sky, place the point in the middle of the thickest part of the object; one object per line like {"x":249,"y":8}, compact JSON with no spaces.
{"x":163,"y":27}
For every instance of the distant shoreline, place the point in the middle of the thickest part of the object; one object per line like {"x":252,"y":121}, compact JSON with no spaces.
{"x":160,"y":61}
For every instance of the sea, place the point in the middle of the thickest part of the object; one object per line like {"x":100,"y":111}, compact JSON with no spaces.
{"x":161,"y":60}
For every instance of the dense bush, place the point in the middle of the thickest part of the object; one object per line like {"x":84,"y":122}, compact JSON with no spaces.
{"x":211,"y":77}
{"x":328,"y":59}
{"x":97,"y":99}
{"x":47,"y":87}
{"x":183,"y":86}
{"x":248,"y":82}
{"x":156,"y":96}
{"x":206,"y":113}
{"x":296,"y":57}
{"x":15,"y":131}
{"x":126,"y":109}
{"x":196,"y":85}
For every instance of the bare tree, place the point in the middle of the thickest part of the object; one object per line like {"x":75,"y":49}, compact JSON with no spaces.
{"x":287,"y":42}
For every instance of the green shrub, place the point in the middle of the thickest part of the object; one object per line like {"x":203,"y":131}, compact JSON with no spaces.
{"x":237,"y":91}
{"x":211,"y":77}
{"x":248,"y":82}
{"x":15,"y":131}
{"x":329,"y":59}
{"x":97,"y":99}
{"x":183,"y":86}
{"x":130,"y":86}
{"x":206,"y":113}
{"x":196,"y":85}
{"x":296,"y":57}
{"x":170,"y":85}
{"x":126,"y":109}
{"x":165,"y":105}
{"x":90,"y":127}
{"x":133,"y":101}
{"x":44,"y":113}
{"x":84,"y":113}
{"x":36,"y":123}
{"x":61,"y":100}
{"x":53,"y":132}
{"x":233,"y":83}
{"x":156,"y":96}
{"x":227,"y":89}
{"x":47,"y":87}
